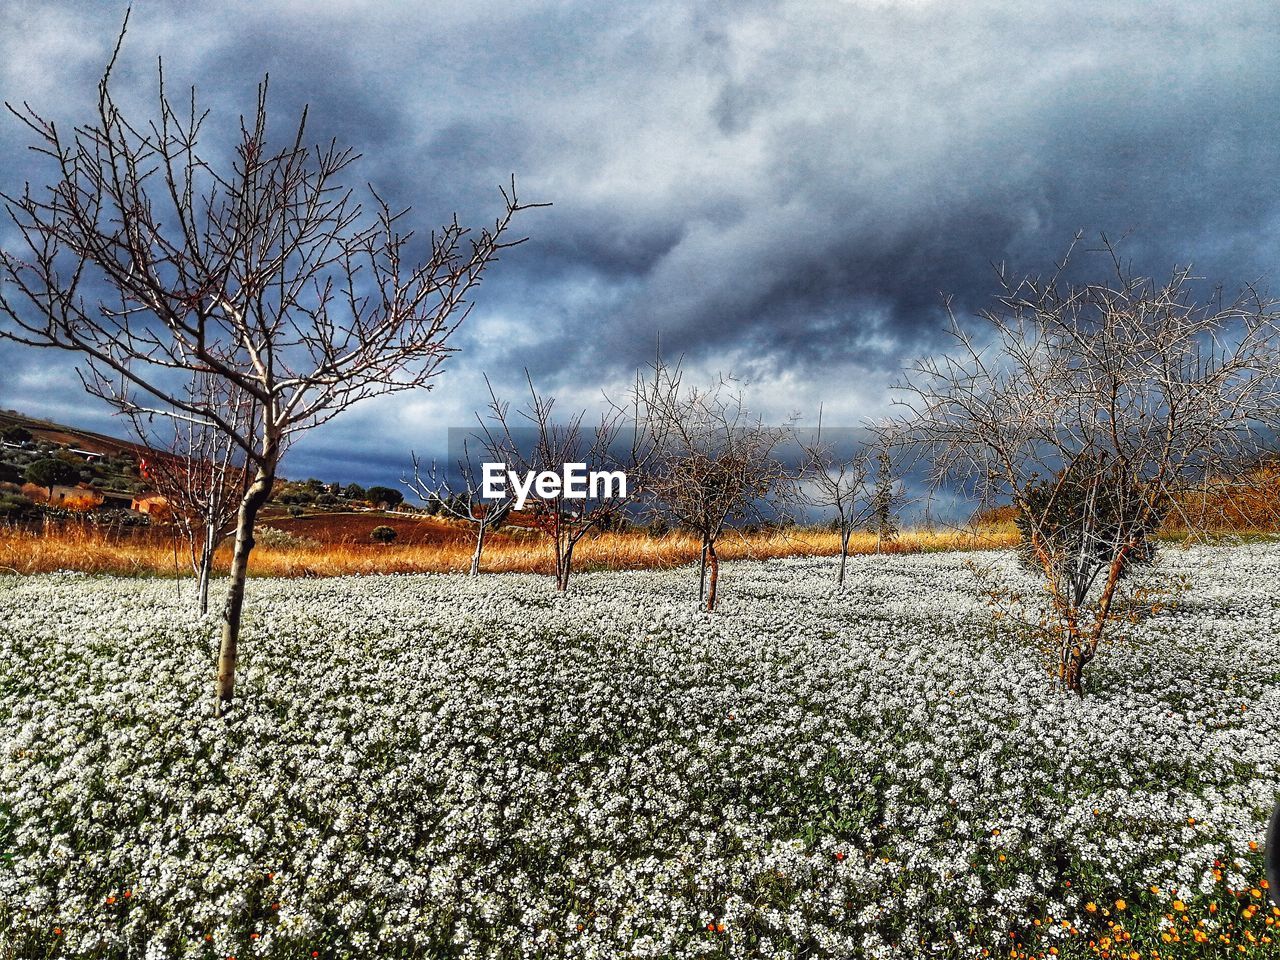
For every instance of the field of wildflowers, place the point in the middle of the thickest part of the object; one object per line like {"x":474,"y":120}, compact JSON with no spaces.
{"x":430,"y":766}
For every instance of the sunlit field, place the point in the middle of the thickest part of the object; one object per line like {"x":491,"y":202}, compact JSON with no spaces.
{"x":438,"y":766}
{"x":90,"y":549}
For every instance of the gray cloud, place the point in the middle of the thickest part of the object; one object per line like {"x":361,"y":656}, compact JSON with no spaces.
{"x":781,"y":189}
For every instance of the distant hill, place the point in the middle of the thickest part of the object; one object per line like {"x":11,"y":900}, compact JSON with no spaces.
{"x":60,"y":434}
{"x":111,"y":463}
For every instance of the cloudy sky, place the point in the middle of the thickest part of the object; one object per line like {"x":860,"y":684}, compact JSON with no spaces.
{"x":780,"y":190}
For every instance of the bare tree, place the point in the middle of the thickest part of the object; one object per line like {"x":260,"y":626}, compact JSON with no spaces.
{"x":461,"y":500}
{"x":199,"y":470}
{"x":549,"y":445}
{"x":1100,"y":409}
{"x":155,"y":262}
{"x":836,"y":482}
{"x":887,"y":497}
{"x":712,"y":462}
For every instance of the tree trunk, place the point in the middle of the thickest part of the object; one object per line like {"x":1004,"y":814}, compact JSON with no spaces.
{"x":254,"y":498}
{"x":713,"y":569}
{"x":558,"y":528}
{"x":1071,"y":669}
{"x":844,"y":560}
{"x":702,"y":572}
{"x":475,"y":557}
{"x":565,"y":568}
{"x":206,"y":569}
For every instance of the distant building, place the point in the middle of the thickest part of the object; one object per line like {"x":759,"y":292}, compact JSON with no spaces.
{"x":114,"y":500}
{"x":60,"y":494}
{"x":150,"y":503}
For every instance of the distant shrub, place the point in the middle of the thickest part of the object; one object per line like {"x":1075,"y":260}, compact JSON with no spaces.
{"x":295,"y":510}
{"x":80,"y":503}
{"x":383,"y":534}
{"x":15,"y":434}
{"x":275,"y":537}
{"x":14,"y":506}
{"x":384,"y":495}
{"x":50,"y":472}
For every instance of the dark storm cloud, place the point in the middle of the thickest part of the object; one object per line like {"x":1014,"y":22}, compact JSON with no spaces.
{"x":786,"y":190}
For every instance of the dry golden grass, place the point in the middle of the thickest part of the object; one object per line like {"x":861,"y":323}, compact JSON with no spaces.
{"x":152,"y":552}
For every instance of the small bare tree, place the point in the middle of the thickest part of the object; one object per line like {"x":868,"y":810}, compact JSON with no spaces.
{"x":199,"y":470}
{"x":463,"y":500}
{"x":711,"y":463}
{"x":836,"y":482}
{"x":154,"y":261}
{"x":887,"y":497}
{"x":1100,"y":410}
{"x":549,"y":445}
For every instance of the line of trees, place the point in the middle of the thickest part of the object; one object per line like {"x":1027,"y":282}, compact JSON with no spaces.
{"x":240,"y":302}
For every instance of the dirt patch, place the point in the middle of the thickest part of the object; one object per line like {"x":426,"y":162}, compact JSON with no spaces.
{"x":334,"y":528}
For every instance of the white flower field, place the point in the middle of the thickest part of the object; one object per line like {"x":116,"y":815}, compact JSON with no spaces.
{"x":433,"y":766}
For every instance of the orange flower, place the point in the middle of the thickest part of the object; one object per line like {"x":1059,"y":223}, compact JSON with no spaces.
{"x":1091,"y":907}
{"x":1179,"y":906}
{"x":1120,"y":905}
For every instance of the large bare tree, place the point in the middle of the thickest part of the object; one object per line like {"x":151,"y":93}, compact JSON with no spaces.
{"x":1100,"y":409}
{"x":155,"y":261}
{"x":711,"y":463}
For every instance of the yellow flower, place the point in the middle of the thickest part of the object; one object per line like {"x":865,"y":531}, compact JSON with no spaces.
{"x":1120,"y":905}
{"x":1091,"y":907}
{"x":1179,"y":906}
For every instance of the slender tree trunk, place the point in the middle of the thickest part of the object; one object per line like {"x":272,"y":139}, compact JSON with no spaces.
{"x":844,"y":561}
{"x":1071,"y":668}
{"x":713,"y":570}
{"x":702,"y":572}
{"x":475,"y":557}
{"x":206,"y":568}
{"x":561,"y":578}
{"x":254,"y":498}
{"x":564,"y":562}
